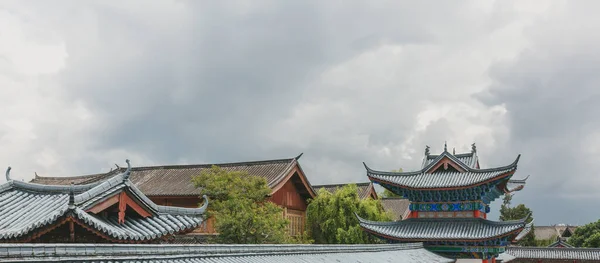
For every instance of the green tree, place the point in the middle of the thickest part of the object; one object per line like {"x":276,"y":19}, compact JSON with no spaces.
{"x":330,"y":217}
{"x":586,"y":236}
{"x":515,"y":213}
{"x":243,"y":215}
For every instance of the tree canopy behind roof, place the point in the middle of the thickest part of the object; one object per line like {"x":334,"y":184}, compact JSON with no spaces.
{"x":586,"y":236}
{"x":239,"y":204}
{"x":515,"y":213}
{"x":330,"y":217}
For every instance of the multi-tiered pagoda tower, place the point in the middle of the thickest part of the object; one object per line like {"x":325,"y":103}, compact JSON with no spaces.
{"x":449,"y":201}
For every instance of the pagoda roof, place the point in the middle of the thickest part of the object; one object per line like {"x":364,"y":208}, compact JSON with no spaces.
{"x":425,"y":179}
{"x":217,"y":253}
{"x":27,"y":208}
{"x":445,"y":229}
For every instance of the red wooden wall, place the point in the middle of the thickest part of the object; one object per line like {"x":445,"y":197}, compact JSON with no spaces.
{"x":287,"y":196}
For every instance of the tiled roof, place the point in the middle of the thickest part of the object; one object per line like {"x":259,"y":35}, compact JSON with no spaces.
{"x":422,"y":179}
{"x":27,"y":207}
{"x":364,"y":189}
{"x":439,"y":229}
{"x":218,"y":253}
{"x":469,"y":159}
{"x":554,"y":253}
{"x":545,"y":232}
{"x":151,"y":179}
{"x":551,"y":232}
{"x":396,"y":206}
{"x":560,"y":243}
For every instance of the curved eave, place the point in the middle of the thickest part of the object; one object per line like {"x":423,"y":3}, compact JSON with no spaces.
{"x":521,"y":224}
{"x":375,"y":176}
{"x":453,"y":187}
{"x":513,"y":165}
{"x":524,"y":231}
{"x":517,"y":185}
{"x":514,"y":232}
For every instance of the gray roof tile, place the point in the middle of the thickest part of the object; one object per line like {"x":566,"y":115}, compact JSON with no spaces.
{"x":221,"y":253}
{"x":440,"y":179}
{"x":25,"y":207}
{"x":430,"y":229}
{"x":554,"y":253}
{"x":151,"y":180}
{"x":469,"y":159}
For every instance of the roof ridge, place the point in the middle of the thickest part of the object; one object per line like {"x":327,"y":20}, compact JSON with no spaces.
{"x":331,"y":185}
{"x":174,"y":166}
{"x":211,"y":164}
{"x":74,"y":177}
{"x":433,"y":156}
{"x":411,"y":220}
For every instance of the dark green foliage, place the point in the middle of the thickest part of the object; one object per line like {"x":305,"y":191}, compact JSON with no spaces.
{"x":239,"y":203}
{"x":330,"y":217}
{"x":586,"y":236}
{"x":515,"y":213}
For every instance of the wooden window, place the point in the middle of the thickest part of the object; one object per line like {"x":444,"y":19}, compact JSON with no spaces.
{"x":296,"y":219}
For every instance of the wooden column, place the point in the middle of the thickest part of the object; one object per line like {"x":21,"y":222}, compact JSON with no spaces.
{"x":72,"y":230}
{"x":414,"y":214}
{"x":122,"y":207}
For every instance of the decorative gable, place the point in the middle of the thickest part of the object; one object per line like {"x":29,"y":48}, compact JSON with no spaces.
{"x":446,"y":165}
{"x":114,"y":210}
{"x":120,"y":202}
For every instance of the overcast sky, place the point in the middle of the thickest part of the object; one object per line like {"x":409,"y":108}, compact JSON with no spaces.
{"x":87,"y":84}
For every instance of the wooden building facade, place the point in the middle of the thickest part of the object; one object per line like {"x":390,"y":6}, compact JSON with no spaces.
{"x":171,"y":185}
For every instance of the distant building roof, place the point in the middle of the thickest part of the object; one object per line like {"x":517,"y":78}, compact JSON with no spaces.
{"x":219,"y":253}
{"x":552,"y":232}
{"x":364,"y":189}
{"x":397,"y":207}
{"x":151,"y":179}
{"x":27,"y":209}
{"x":541,"y":253}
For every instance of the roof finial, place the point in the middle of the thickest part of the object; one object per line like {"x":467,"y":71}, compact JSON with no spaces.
{"x":473,"y":148}
{"x":8,"y":174}
{"x":453,"y":151}
{"x":128,"y":171}
{"x":72,"y":194}
{"x":445,"y":146}
{"x":426,"y":150}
